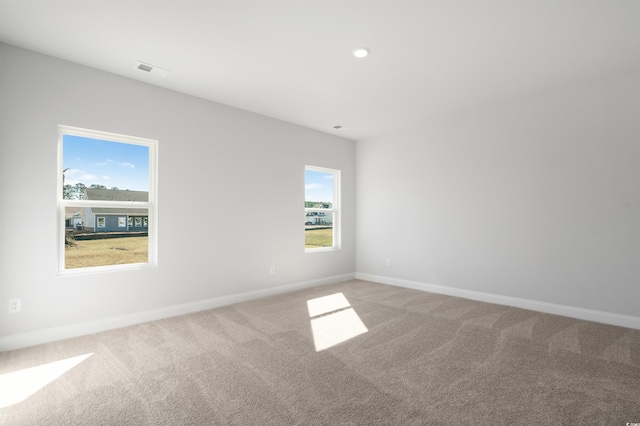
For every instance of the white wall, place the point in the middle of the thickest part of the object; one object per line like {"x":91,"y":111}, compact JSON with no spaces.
{"x":218,"y":166}
{"x":536,"y":200}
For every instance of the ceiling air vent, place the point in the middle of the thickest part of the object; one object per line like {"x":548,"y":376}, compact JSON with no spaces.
{"x":145,"y":67}
{"x":151,"y":69}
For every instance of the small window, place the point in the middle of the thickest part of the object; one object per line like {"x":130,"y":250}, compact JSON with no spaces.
{"x":145,"y":221}
{"x":322,"y":212}
{"x":105,"y":181}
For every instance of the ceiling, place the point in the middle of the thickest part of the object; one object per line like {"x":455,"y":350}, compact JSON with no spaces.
{"x":292,"y":60}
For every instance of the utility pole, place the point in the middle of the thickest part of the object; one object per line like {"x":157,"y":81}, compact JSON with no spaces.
{"x":63,"y":180}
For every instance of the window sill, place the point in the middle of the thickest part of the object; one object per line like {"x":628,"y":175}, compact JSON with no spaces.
{"x":103,"y":269}
{"x":323,"y":249}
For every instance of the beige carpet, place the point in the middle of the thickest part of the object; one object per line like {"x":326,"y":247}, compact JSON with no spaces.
{"x":421,"y":359}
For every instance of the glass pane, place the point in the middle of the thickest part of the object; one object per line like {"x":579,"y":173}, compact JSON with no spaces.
{"x":318,"y":230}
{"x":103,"y":165}
{"x":318,"y":189}
{"x":94,"y":236}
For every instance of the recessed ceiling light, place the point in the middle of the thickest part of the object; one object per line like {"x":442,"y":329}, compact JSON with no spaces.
{"x":361,"y":52}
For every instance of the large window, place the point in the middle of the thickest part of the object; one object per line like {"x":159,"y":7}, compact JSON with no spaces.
{"x":106,"y":191}
{"x":322,"y":209}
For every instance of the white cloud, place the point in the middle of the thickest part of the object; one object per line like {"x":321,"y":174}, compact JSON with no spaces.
{"x":73,"y":176}
{"x":105,"y":177}
{"x":106,"y":162}
{"x":312,"y":186}
{"x":110,"y":161}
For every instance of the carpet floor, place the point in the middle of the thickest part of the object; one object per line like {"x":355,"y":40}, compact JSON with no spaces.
{"x":355,"y":353}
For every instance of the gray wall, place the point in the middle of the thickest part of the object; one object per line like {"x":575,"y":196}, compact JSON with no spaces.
{"x":217,"y":165}
{"x":538,"y":199}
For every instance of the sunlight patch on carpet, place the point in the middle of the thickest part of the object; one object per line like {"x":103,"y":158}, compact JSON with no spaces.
{"x":17,"y":386}
{"x":333,"y":321}
{"x":324,"y":305}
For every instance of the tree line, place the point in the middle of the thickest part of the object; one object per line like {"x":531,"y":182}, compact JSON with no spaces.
{"x":76,"y":192}
{"x":312,"y":204}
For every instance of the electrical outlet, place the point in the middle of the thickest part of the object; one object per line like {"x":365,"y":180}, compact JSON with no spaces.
{"x":15,"y":305}
{"x":272,"y":270}
{"x":387,"y":261}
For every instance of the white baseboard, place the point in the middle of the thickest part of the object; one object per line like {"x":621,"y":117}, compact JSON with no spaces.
{"x":549,"y":308}
{"x":23,"y":340}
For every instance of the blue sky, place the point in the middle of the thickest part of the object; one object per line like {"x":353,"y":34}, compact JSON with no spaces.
{"x":94,"y":161}
{"x":318,"y":186}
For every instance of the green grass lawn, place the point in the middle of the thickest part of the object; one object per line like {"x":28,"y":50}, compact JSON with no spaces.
{"x":317,"y":238}
{"x":108,"y":251}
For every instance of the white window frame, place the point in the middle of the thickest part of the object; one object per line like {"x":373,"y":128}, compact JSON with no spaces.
{"x":101,"y":221}
{"x":335,"y":209}
{"x":122,"y":221}
{"x":151,"y":205}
